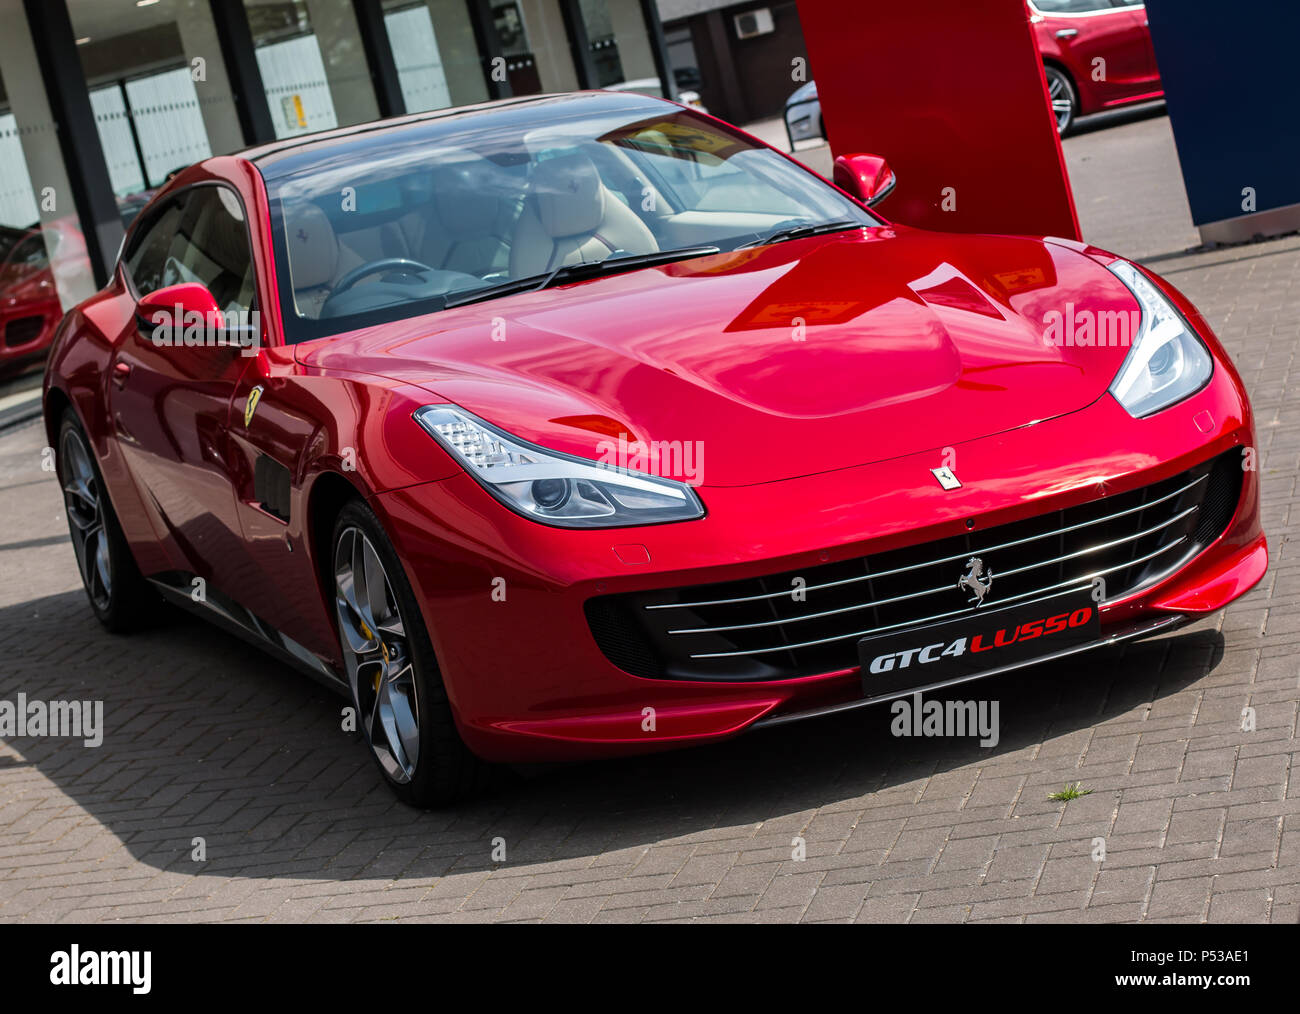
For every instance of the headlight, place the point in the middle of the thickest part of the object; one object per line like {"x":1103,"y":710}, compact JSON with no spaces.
{"x":556,"y":488}
{"x":1167,"y":362}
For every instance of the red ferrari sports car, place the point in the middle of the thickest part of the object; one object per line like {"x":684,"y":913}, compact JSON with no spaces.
{"x":583,"y":425}
{"x":1097,"y":55}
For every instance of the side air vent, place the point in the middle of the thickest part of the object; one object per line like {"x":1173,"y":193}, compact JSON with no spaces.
{"x":271,"y":487}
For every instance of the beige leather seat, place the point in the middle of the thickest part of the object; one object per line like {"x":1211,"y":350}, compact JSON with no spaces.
{"x":316,"y":257}
{"x":570,"y":216}
{"x":464,"y":227}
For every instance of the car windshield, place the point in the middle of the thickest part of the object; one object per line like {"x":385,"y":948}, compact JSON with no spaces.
{"x":412,"y":218}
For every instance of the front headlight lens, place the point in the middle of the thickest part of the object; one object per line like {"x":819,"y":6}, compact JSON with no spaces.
{"x":1168,"y":361}
{"x":552,"y":487}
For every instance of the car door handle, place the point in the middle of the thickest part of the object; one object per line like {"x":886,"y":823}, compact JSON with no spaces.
{"x":1067,"y":33}
{"x":121,"y":373}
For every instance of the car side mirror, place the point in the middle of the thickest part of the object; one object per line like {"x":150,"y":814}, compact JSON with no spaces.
{"x":866,"y":177}
{"x":183,"y":300}
{"x":187,"y":315}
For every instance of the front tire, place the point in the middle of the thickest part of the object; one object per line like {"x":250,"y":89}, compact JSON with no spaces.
{"x":120,"y":597}
{"x":401,"y":702}
{"x":1064,"y":98}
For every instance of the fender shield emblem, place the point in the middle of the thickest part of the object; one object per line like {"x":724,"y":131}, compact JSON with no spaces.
{"x":250,"y":406}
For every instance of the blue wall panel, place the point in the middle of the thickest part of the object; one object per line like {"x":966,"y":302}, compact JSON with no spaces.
{"x":1230,"y":73}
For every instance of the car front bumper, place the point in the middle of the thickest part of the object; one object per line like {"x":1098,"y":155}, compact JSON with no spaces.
{"x":504,"y":597}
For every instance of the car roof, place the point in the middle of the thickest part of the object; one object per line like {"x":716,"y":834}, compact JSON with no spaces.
{"x":265,"y":156}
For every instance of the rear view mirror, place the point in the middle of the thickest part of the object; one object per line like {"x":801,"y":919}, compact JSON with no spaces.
{"x":866,"y":177}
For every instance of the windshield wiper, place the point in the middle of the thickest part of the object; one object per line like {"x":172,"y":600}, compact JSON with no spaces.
{"x":573,"y":272}
{"x":802,"y":230}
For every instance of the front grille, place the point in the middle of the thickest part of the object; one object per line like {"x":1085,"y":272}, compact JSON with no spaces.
{"x":809,"y":621}
{"x":23,"y":330}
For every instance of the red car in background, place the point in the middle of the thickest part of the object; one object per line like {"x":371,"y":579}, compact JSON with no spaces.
{"x":39,"y":260}
{"x":1097,"y":55}
{"x":588,"y":425}
{"x":41,"y":267}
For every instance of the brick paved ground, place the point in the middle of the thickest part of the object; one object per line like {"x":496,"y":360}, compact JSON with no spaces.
{"x":206,"y":738}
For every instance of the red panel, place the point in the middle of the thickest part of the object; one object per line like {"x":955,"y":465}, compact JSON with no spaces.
{"x":952,"y":94}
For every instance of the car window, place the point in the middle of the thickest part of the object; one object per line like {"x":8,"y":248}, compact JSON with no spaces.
{"x":31,"y":254}
{"x":1071,"y":6}
{"x":9,"y":238}
{"x":147,"y":251}
{"x":698,"y":180}
{"x":199,"y":237}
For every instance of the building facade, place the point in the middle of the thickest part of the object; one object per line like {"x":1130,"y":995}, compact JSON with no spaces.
{"x":102,"y":100}
{"x":744,"y":59}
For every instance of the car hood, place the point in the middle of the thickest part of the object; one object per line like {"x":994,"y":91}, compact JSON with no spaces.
{"x":771,"y":363}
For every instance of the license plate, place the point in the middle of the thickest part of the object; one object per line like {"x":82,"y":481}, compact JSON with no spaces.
{"x":977,"y":643}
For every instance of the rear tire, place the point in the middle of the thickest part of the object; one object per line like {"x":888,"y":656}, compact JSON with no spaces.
{"x":1064,"y":98}
{"x":397,"y":689}
{"x":121,"y":599}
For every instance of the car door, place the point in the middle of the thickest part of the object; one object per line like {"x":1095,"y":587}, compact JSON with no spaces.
{"x":1150,"y":72}
{"x":1104,"y":47}
{"x":170,"y":404}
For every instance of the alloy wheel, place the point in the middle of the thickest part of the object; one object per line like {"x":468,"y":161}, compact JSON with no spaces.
{"x":377,"y":655}
{"x":1061,"y":93}
{"x":83,"y":501}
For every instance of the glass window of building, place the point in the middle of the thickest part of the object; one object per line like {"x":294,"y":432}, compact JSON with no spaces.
{"x":437,"y":56}
{"x":682,"y":59}
{"x":618,"y":45}
{"x":312,"y":63}
{"x":158,"y":89}
{"x":535,"y":46}
{"x":44,"y":264}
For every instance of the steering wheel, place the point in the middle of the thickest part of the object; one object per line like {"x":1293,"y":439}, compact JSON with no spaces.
{"x":374,"y":267}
